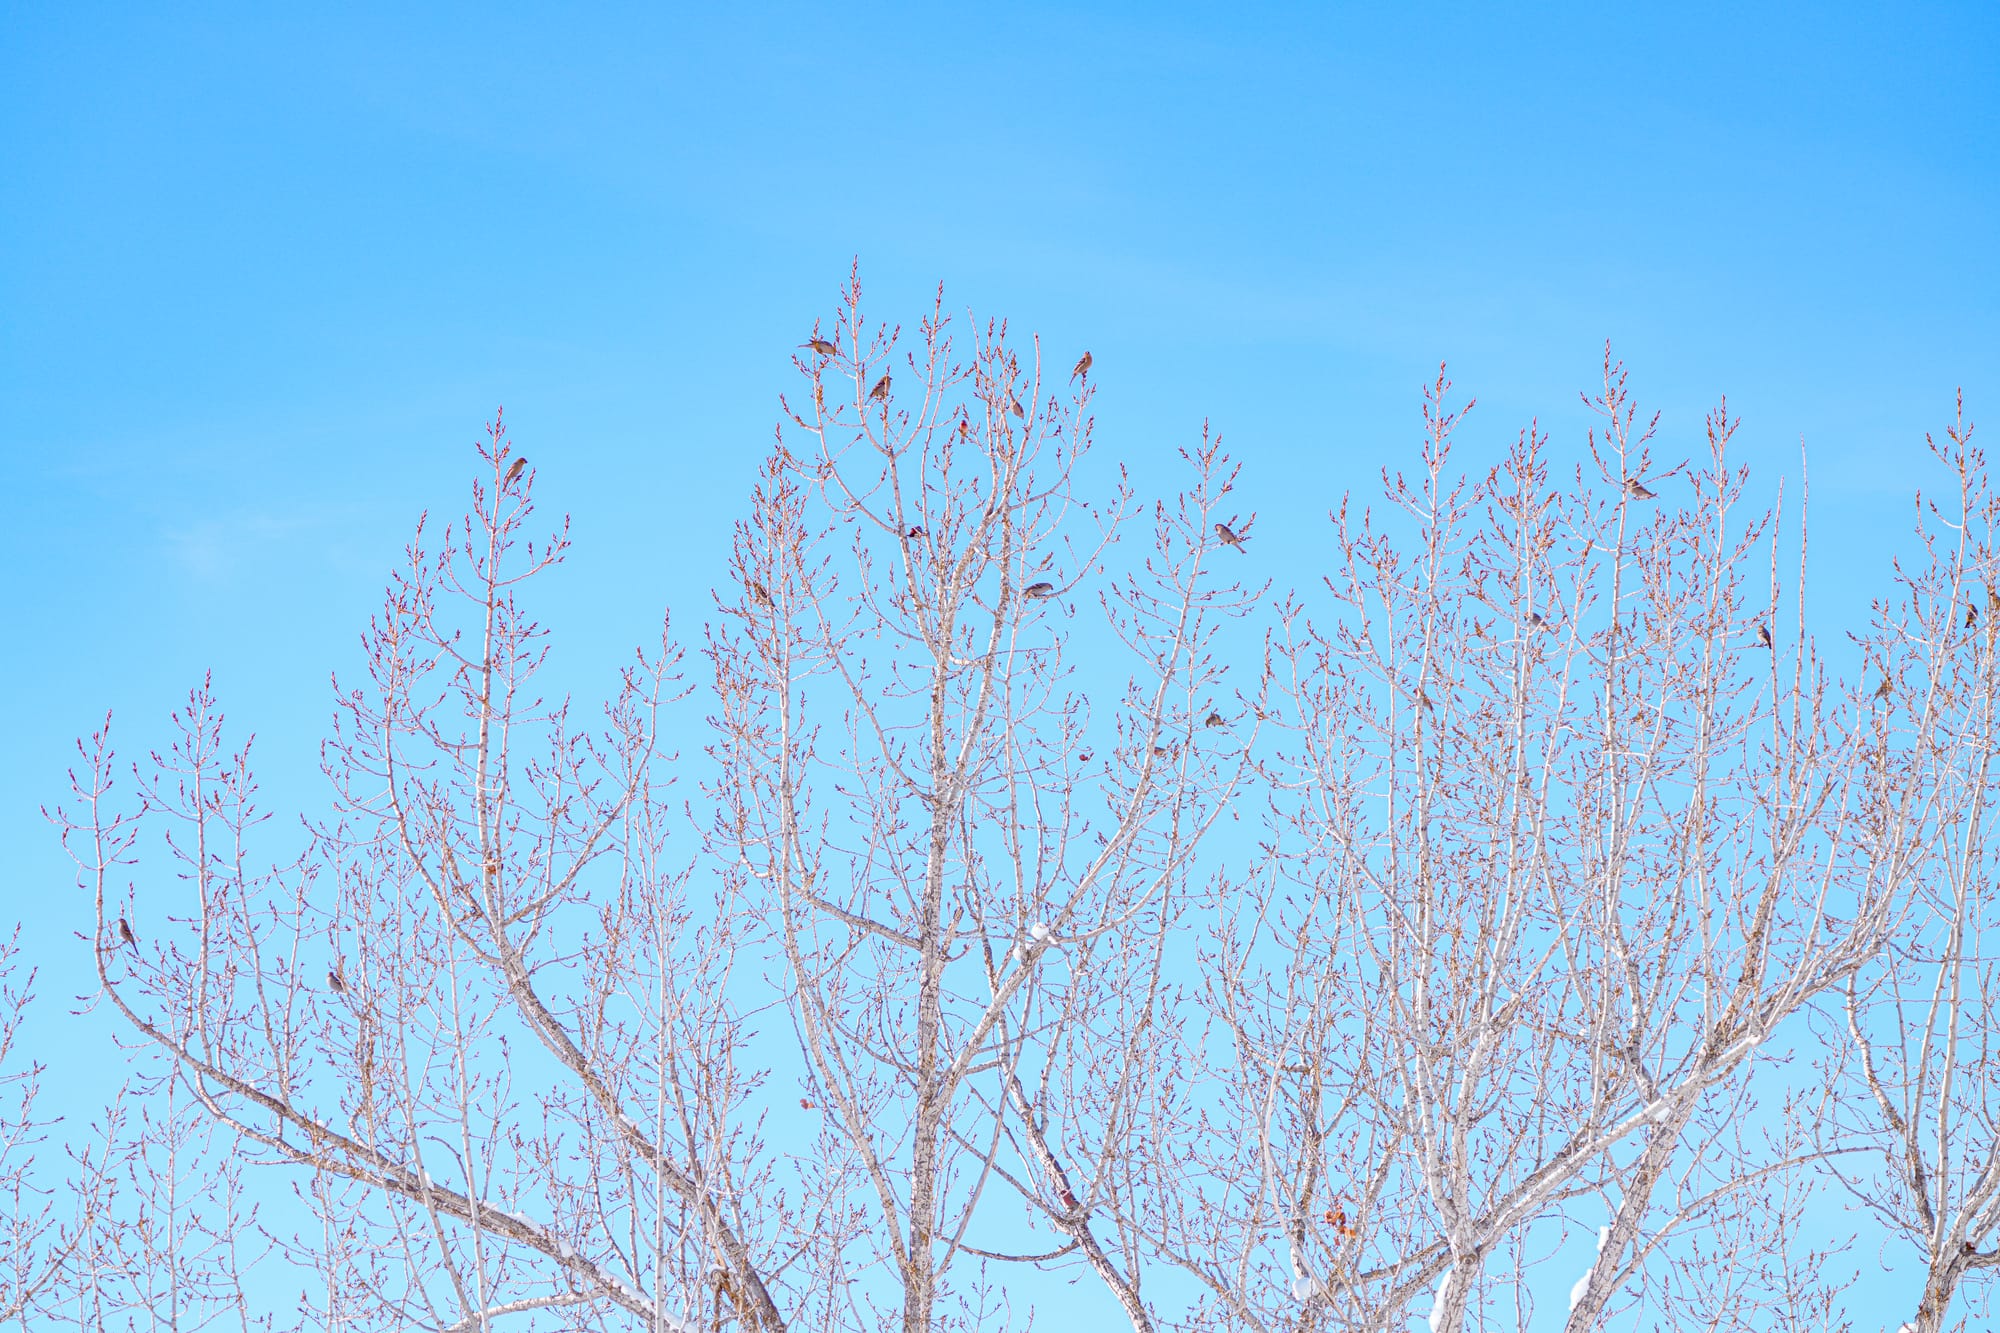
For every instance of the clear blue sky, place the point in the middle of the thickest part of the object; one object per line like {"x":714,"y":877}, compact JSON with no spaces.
{"x":263,"y":274}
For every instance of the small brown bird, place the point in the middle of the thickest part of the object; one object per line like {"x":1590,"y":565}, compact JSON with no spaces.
{"x":1038,"y":590}
{"x":1763,"y":635}
{"x":1882,"y":690}
{"x":1214,"y":719}
{"x":1992,"y":599}
{"x":1478,"y":630}
{"x":125,"y":933}
{"x":1425,"y":700}
{"x":514,"y":471}
{"x":1161,"y":752}
{"x":1014,"y":406}
{"x":915,"y":534}
{"x":335,"y":982}
{"x":1082,"y":366}
{"x":1971,"y":615}
{"x":880,"y":391}
{"x":1536,"y":619}
{"x":1228,"y":536}
{"x":1637,"y":489}
{"x":821,"y":346}
{"x":759,"y":594}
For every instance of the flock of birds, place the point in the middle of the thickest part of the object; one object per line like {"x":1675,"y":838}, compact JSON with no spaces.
{"x":1231,"y":534}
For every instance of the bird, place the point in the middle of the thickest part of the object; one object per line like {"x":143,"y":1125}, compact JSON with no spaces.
{"x":1882,"y":690}
{"x":1971,"y":614}
{"x":881,"y":390}
{"x":759,"y":594}
{"x":1425,"y":700}
{"x":1082,"y":366}
{"x":1637,"y":489}
{"x":515,"y":471}
{"x":1478,"y":630}
{"x":1536,"y":619}
{"x":125,"y":933}
{"x":1992,"y":599}
{"x":1014,"y":406}
{"x":1763,"y":635}
{"x":1161,"y":752}
{"x":335,"y":982}
{"x":915,"y":534}
{"x":1038,"y":590}
{"x":1214,"y":719}
{"x":1228,"y":536}
{"x":821,"y":346}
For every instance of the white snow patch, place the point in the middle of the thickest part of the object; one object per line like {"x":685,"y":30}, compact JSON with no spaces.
{"x":1583,"y":1283}
{"x":1436,"y":1320}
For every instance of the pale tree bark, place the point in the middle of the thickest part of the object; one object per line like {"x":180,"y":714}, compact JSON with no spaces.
{"x":1564,"y":845}
{"x":973,"y":840}
{"x":480,"y":1016}
{"x":1918,"y":1075}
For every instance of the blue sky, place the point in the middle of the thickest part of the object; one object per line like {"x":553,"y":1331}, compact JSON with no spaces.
{"x":264,"y":274}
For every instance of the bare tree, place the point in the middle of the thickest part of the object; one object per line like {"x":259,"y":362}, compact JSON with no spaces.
{"x":953,"y":962}
{"x":1560,"y":838}
{"x":492,"y":873}
{"x":973,"y":855}
{"x":1918,"y":1080}
{"x":504,"y":1046}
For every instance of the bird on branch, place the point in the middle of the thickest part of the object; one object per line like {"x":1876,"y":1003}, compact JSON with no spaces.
{"x":514,"y":471}
{"x":1037,"y":591}
{"x":880,"y":393}
{"x":1082,"y":366}
{"x":821,"y":346}
{"x":1637,"y":489}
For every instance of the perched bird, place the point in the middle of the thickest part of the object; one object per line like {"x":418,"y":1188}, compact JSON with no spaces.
{"x":1763,"y":635}
{"x":1162,"y":752}
{"x":821,"y":346}
{"x":1082,"y":366}
{"x":1882,"y":690}
{"x":1068,"y":1199}
{"x":1637,"y":489}
{"x":125,"y":933}
{"x":1425,"y":700}
{"x":1214,"y":719}
{"x":1536,"y":619}
{"x":915,"y":534}
{"x":759,"y":594}
{"x":1228,"y":536}
{"x":335,"y":982}
{"x":514,"y":471}
{"x":1038,"y":590}
{"x":1971,"y":614}
{"x":1992,"y":599}
{"x":880,"y":391}
{"x":1014,"y":406}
